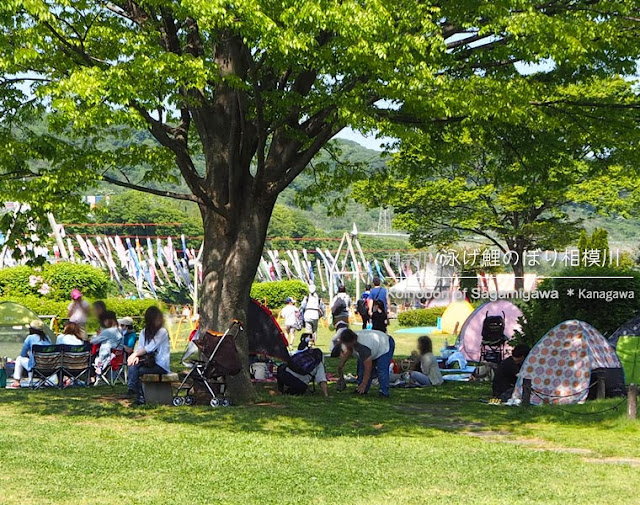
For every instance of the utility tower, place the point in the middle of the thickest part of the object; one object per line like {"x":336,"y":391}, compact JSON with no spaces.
{"x":384,"y":220}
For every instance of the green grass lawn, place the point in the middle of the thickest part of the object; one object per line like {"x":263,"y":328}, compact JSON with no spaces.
{"x":435,"y":445}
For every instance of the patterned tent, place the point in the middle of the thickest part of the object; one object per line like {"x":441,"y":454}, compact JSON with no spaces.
{"x":562,"y":363}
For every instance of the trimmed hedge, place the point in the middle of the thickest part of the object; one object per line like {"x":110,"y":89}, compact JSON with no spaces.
{"x":275,"y":293}
{"x":540,"y":315}
{"x":122,"y":307}
{"x":420,"y":317}
{"x":54,"y":281}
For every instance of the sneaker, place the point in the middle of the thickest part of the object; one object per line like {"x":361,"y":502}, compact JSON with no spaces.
{"x":382,"y":395}
{"x":131,"y":393}
{"x":13,"y":386}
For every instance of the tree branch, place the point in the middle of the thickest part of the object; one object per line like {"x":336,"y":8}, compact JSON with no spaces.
{"x":153,"y":191}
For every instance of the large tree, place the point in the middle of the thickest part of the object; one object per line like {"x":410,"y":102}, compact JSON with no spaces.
{"x":240,"y":96}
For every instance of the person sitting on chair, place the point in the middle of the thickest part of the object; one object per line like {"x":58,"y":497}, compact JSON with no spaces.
{"x":507,"y":372}
{"x":109,"y":338}
{"x":25,"y":361}
{"x":72,"y":334}
{"x":128,"y":334}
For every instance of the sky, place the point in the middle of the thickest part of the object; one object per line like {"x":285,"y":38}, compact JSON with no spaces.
{"x":368,"y":141}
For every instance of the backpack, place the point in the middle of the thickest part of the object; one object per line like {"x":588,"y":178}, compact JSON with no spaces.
{"x":493,"y":329}
{"x":362,"y":308}
{"x":339,"y":306}
{"x":305,"y":362}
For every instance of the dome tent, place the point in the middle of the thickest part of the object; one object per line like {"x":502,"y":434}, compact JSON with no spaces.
{"x":470,"y":338}
{"x":454,"y":316}
{"x":630,"y":328}
{"x":562,"y":364}
{"x":15,"y":319}
{"x":264,"y":333}
{"x":626,"y":341}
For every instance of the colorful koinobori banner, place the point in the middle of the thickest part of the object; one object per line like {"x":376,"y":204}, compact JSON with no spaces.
{"x":152,"y":264}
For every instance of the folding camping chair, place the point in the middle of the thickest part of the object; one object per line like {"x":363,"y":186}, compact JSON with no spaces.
{"x":47,"y":364}
{"x":116,"y":371}
{"x":76,"y":364}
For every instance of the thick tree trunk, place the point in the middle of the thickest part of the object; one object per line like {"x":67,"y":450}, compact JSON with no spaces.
{"x":231,"y":255}
{"x":518,"y":270}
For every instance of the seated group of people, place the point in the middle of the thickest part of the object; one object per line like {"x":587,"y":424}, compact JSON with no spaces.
{"x":148,"y":355}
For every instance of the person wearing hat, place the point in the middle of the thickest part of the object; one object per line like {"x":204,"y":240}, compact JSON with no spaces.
{"x":78,"y":311}
{"x":129,"y":336}
{"x":289,"y":314}
{"x":312,"y":310}
{"x":37,"y":336}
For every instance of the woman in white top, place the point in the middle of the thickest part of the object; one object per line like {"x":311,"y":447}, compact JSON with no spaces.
{"x":152,"y":354}
{"x":429,"y":374}
{"x":71,"y":335}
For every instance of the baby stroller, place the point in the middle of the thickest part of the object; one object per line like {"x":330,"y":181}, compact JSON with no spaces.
{"x":219,"y":358}
{"x":493,"y":339}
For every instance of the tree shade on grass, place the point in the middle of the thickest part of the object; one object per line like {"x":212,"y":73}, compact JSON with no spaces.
{"x":436,"y":444}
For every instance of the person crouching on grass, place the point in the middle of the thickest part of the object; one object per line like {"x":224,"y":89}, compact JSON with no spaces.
{"x":374,"y":350}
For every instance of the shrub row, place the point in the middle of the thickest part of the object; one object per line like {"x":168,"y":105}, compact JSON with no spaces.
{"x":122,"y":307}
{"x":54,"y":281}
{"x":275,"y":293}
{"x":420,"y":317}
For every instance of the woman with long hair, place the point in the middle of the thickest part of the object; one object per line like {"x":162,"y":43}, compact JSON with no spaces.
{"x":429,"y":374}
{"x":37,"y":336}
{"x":72,"y":334}
{"x":152,"y":353}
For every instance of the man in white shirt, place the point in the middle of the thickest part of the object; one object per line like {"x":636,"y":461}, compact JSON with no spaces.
{"x":374,"y":350}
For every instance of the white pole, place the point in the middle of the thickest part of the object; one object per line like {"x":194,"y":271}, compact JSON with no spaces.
{"x":195,"y":287}
{"x":57,"y":236}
